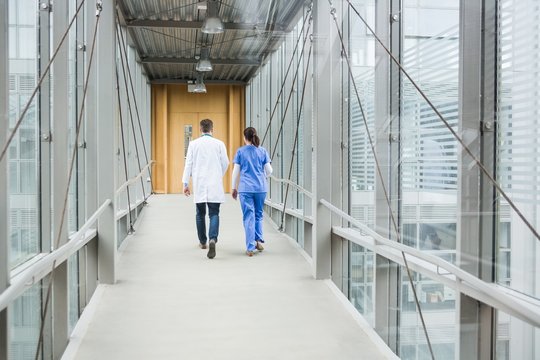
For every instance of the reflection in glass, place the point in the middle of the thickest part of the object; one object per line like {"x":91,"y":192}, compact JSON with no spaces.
{"x":188,"y":135}
{"x":73,"y":290}
{"x":24,"y":324}
{"x":516,"y":339}
{"x":438,"y":307}
{"x":429,"y":170}
{"x":519,"y":150}
{"x":361,"y":160}
{"x":361,"y":270}
{"x":24,"y":151}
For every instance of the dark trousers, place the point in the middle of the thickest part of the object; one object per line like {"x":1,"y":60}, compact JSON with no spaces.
{"x":213,"y":214}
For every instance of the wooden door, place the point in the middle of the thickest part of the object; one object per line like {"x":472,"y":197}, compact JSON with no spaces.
{"x":183,"y":127}
{"x":174,"y":110}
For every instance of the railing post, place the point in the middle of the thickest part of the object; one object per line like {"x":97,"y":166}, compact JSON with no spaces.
{"x":106,"y":119}
{"x":4,"y":124}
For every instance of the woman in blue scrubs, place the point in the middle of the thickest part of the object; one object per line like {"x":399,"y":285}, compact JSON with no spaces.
{"x":251,"y":167}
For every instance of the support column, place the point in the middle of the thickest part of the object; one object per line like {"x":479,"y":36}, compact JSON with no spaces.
{"x":4,"y":125}
{"x":107,"y":128}
{"x":475,"y":246}
{"x":308,"y":156}
{"x":62,"y":158}
{"x":91,"y":150}
{"x":327,"y":133}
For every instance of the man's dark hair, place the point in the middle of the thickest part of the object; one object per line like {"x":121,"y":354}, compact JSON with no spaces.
{"x":207,"y":125}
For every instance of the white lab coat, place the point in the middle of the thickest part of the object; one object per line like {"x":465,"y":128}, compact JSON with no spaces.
{"x":206,"y":163}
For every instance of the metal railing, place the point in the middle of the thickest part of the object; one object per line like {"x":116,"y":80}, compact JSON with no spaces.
{"x":293,"y":184}
{"x":133,"y":180}
{"x":527,"y":309}
{"x":44,"y":266}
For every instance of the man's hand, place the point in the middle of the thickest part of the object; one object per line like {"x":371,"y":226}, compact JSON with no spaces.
{"x":234,"y":194}
{"x":186,"y":191}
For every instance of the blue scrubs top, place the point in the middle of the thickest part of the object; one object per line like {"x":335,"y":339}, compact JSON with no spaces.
{"x":252,"y":160}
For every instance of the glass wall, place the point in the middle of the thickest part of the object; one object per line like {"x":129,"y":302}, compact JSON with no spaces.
{"x":23,"y":166}
{"x":25,"y":324}
{"x":435,"y":190}
{"x":361,"y":118}
{"x":518,"y":114}
{"x":35,"y":166}
{"x":274,"y":97}
{"x":134,"y":143}
{"x":429,"y":172}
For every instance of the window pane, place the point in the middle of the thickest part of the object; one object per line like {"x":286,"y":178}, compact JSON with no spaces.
{"x":429,"y":159}
{"x":26,"y":15}
{"x":361,"y":160}
{"x":27,"y":37}
{"x":518,"y":151}
{"x":24,"y":318}
{"x":73,"y":290}
{"x":516,"y":339}
{"x":438,"y":307}
{"x":24,"y":152}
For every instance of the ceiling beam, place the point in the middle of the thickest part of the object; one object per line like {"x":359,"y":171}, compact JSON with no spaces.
{"x":194,"y":25}
{"x":182,"y":81}
{"x":169,"y":60}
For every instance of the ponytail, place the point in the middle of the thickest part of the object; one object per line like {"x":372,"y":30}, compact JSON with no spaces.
{"x":256,"y":141}
{"x":251,"y":135}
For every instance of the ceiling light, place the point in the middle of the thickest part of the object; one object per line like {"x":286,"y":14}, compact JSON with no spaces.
{"x":204,"y":63}
{"x":199,"y":85}
{"x":212,"y":23}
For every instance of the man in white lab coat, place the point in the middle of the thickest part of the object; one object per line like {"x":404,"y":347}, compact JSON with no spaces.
{"x":206,"y":163}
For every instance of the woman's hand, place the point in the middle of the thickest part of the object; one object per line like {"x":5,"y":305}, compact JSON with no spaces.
{"x":234,"y":194}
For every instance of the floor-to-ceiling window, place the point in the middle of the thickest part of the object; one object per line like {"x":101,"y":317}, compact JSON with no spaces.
{"x":429,"y":160}
{"x":361,"y":110}
{"x":23,"y":171}
{"x":23,"y":166}
{"x":518,"y":115}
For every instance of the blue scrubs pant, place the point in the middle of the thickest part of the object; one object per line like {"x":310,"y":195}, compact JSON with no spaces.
{"x":213,"y":214}
{"x":252,"y":208}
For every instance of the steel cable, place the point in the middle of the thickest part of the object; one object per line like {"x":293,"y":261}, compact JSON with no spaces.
{"x":469,"y":152}
{"x":130,"y":112}
{"x":70,"y":174}
{"x":130,"y":231}
{"x":288,"y":101}
{"x":40,"y":81}
{"x":296,"y":136}
{"x":123,"y":46}
{"x":287,"y":73}
{"x":381,"y":178}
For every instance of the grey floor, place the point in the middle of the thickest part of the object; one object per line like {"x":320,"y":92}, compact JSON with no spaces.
{"x":171,"y":302}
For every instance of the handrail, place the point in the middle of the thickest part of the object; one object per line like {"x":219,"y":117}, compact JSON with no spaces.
{"x":132,"y":180}
{"x":43,"y":266}
{"x":293,"y":184}
{"x":530,"y":313}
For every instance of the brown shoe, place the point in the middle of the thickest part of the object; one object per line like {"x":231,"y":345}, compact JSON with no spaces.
{"x":249,"y":253}
{"x":212,"y":250}
{"x":259,"y":246}
{"x":202,"y":246}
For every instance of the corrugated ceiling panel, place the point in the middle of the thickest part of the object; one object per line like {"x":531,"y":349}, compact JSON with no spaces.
{"x":169,"y":42}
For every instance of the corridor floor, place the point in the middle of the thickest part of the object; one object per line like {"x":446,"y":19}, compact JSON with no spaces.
{"x":172,"y":302}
